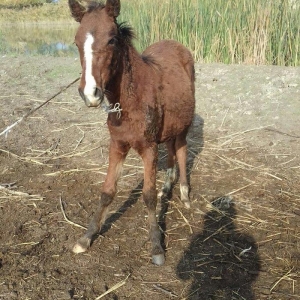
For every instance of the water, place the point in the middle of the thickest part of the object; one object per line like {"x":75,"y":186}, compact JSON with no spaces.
{"x":55,"y":39}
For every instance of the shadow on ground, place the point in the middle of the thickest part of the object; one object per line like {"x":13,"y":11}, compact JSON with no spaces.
{"x":195,"y":139}
{"x":222,"y":262}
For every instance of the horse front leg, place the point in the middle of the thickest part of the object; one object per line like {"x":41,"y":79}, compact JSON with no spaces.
{"x":117,"y":155}
{"x":149,"y":156}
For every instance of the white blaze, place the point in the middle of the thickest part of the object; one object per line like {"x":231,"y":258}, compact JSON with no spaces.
{"x":90,"y":82}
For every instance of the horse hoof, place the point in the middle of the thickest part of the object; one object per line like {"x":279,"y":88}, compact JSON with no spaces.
{"x":78,"y":248}
{"x":184,"y":195}
{"x":82,"y":245}
{"x":158,"y":259}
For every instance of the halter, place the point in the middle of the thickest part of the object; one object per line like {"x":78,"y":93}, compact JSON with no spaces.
{"x":109,"y":109}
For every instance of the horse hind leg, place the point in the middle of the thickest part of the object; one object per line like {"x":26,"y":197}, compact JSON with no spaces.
{"x":181,"y":154}
{"x":171,"y":169}
{"x":117,"y":156}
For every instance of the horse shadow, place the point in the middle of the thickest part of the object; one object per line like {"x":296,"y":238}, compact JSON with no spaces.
{"x":222,"y":262}
{"x":134,"y":195}
{"x":195,"y":141}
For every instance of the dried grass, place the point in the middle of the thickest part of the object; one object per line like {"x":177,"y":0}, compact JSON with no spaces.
{"x":114,"y":288}
{"x":254,"y":187}
{"x":7,"y":194}
{"x":66,"y":218}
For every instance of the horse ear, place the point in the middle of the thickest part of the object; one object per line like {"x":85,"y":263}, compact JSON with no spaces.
{"x":77,"y":10}
{"x":113,"y":7}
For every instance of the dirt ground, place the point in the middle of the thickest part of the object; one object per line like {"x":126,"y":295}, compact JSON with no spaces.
{"x":240,"y":239}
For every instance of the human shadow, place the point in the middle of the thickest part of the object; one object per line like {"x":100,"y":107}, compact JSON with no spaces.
{"x":222,"y":262}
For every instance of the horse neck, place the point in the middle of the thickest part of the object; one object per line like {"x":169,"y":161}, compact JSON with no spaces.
{"x":122,"y":86}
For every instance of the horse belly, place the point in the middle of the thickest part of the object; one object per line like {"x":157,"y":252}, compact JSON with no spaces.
{"x":176,"y":122}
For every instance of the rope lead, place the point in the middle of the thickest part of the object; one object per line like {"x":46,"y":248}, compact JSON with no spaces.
{"x":10,"y":127}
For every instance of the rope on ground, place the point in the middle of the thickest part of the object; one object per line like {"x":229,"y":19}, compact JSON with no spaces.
{"x":9,"y":128}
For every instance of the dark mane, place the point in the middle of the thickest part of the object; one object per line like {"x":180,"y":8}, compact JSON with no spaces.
{"x":149,"y":60}
{"x":126,"y":33}
{"x":125,"y":37}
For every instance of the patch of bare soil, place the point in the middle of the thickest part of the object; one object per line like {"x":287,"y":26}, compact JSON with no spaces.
{"x":240,"y":239}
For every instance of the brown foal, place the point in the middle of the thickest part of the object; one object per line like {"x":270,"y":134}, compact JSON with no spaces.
{"x":151,"y":100}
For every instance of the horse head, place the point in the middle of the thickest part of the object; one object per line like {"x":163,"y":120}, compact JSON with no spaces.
{"x":97,"y":43}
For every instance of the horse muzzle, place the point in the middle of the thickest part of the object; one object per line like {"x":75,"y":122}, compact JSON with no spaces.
{"x":92,"y":99}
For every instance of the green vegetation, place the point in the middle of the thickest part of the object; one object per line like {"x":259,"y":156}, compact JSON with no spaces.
{"x":34,"y":11}
{"x":16,"y":3}
{"x":240,"y":31}
{"x":19,"y":4}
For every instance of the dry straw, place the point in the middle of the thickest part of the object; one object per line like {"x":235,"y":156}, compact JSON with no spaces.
{"x":114,"y":288}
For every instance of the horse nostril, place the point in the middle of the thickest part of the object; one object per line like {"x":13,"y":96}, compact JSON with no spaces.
{"x":98,"y":93}
{"x":81,"y":93}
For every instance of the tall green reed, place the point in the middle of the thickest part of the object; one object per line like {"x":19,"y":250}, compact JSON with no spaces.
{"x":232,"y":31}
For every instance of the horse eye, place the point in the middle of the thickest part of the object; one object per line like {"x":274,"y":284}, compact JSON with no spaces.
{"x":112,"y":41}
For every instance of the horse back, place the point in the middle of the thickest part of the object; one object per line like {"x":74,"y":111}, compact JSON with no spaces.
{"x":173,"y":66}
{"x":170,"y":54}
